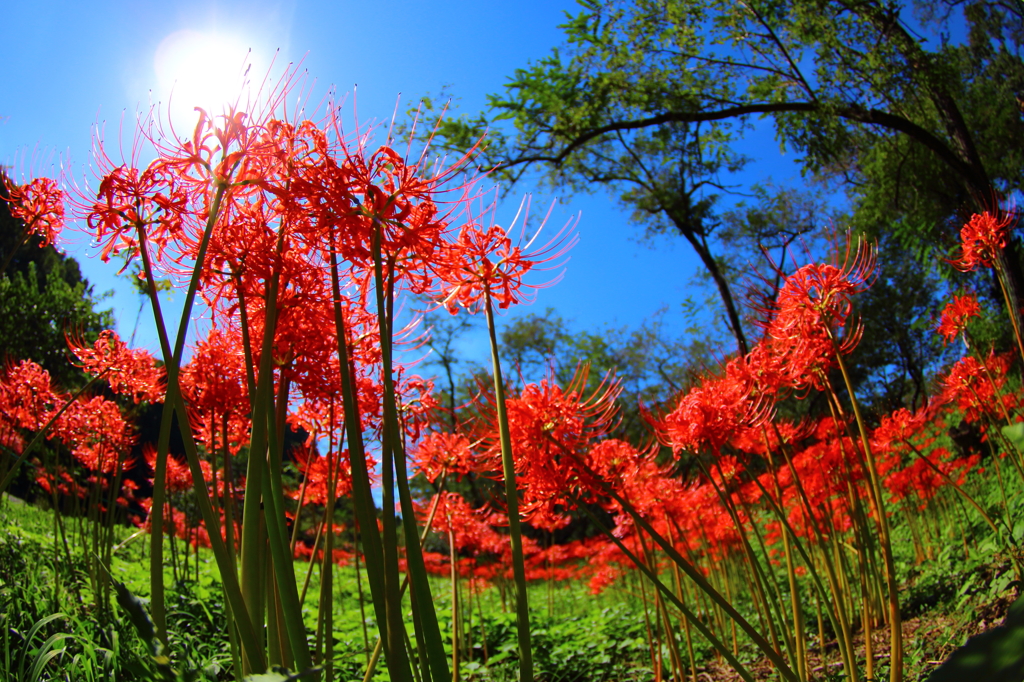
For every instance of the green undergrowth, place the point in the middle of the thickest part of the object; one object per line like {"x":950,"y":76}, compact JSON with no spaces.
{"x":576,"y":636}
{"x":53,"y":630}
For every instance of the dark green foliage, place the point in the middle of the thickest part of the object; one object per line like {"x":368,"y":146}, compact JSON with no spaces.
{"x":602,"y":646}
{"x":650,"y":101}
{"x":994,"y":656}
{"x":38,"y":310}
{"x":43,"y":299}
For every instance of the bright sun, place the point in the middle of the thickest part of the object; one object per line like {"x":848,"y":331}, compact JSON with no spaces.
{"x":197,"y":69}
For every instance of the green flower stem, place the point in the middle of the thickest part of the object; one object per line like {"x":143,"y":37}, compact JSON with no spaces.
{"x":371,"y":664}
{"x":777,"y":604}
{"x":836,"y":616}
{"x":284,"y":569}
{"x":398,"y":663}
{"x":892,"y":588}
{"x":250,"y":648}
{"x":362,"y":499}
{"x":697,"y":577}
{"x":512,"y":498}
{"x":719,"y":646}
{"x":422,"y":601}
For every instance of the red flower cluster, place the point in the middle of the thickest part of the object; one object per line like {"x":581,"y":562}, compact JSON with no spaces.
{"x":956,"y":314}
{"x":40,"y":205}
{"x":981,"y":240}
{"x":128,"y":371}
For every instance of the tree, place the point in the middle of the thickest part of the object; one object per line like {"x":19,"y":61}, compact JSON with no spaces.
{"x":43,"y":298}
{"x":650,"y":98}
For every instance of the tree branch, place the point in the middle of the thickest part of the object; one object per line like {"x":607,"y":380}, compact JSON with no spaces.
{"x":850,"y":112}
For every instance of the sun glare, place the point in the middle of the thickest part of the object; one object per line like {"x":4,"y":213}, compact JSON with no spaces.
{"x":196,"y":69}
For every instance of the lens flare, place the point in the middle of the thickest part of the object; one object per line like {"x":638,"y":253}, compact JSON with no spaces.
{"x":196,"y":69}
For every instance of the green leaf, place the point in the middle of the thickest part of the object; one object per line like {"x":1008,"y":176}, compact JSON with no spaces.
{"x":1015,"y":434}
{"x":993,"y":656}
{"x":139,"y":616}
{"x":136,"y":610}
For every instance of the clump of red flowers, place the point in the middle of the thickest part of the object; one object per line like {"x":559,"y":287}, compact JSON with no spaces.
{"x":981,"y":240}
{"x":956,"y":314}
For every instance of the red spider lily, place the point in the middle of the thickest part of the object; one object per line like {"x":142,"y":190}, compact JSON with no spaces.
{"x":95,"y":432}
{"x":811,"y":311}
{"x":40,"y":206}
{"x":483,"y":262}
{"x":440,"y":454}
{"x":27,"y":399}
{"x":551,"y":431}
{"x":315,"y":416}
{"x":901,"y":425}
{"x":92,"y":429}
{"x":711,"y":413}
{"x":179,"y":477}
{"x":707,"y":528}
{"x":218,"y":402}
{"x":976,"y":387}
{"x":475,"y":537}
{"x":981,"y":240}
{"x":417,"y":403}
{"x":955,"y":315}
{"x":170,"y":200}
{"x":472,"y":532}
{"x":129,"y":372}
{"x":397,"y":199}
{"x":129,"y":200}
{"x":757,"y":440}
{"x":921,"y":479}
{"x":825,"y":469}
{"x":316,"y":471}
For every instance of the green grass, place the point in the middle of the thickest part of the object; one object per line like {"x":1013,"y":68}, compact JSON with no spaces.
{"x":581,"y":638}
{"x":53,"y":630}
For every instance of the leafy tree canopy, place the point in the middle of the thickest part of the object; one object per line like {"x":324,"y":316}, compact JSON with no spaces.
{"x":651,"y":99}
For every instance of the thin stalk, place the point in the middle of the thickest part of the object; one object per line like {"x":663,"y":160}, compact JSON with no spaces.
{"x":327,"y":572}
{"x":798,"y":616}
{"x":312,"y":558}
{"x":840,"y":623}
{"x":892,"y":587}
{"x":698,"y":578}
{"x":512,"y":500}
{"x":252,"y":652}
{"x":372,"y":661}
{"x":749,"y":551}
{"x":652,"y":645}
{"x":686,"y":623}
{"x":690,"y":615}
{"x":362,"y":499}
{"x":362,"y":602}
{"x":455,"y":605}
{"x":278,"y":533}
{"x":394,"y":476}
{"x":1001,"y":275}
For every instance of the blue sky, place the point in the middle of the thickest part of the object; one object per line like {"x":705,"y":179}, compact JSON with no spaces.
{"x":71,"y":66}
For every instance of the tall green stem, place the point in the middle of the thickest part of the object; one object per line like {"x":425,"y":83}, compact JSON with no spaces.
{"x":895,"y":621}
{"x":512,"y":497}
